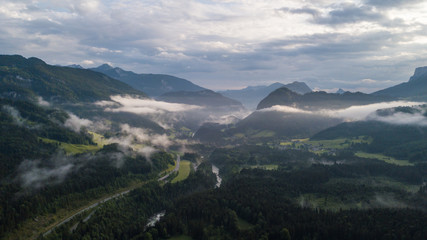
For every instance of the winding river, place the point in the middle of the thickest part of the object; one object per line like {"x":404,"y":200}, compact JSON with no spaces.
{"x":215,"y":170}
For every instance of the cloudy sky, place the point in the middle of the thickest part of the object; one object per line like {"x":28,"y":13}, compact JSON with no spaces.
{"x":222,"y":44}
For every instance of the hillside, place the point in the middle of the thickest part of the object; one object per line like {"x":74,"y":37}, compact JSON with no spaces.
{"x":23,"y":124}
{"x":252,"y":95}
{"x":22,"y":78}
{"x":398,"y":132}
{"x":201,"y":98}
{"x":414,"y":89}
{"x":298,"y":125}
{"x":152,"y":84}
{"x":318,"y":100}
{"x":265,"y":126}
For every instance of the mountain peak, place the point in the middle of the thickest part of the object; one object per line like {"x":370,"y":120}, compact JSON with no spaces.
{"x":419,"y":71}
{"x":36,"y":61}
{"x":20,"y":61}
{"x":280,"y":96}
{"x":340,"y":91}
{"x":276,"y":85}
{"x":299,"y":87}
{"x":318,"y":100}
{"x":75,"y":66}
{"x":105,"y":67}
{"x":57,"y":83}
{"x":414,"y":89}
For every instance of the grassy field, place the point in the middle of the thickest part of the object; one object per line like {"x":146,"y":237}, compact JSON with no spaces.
{"x":264,"y":134}
{"x":98,"y":139}
{"x":384,"y":158}
{"x":184,"y":171}
{"x":340,"y":143}
{"x":72,"y":149}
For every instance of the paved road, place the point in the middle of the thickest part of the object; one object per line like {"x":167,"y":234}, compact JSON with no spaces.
{"x":178,"y":160}
{"x":85,"y":209}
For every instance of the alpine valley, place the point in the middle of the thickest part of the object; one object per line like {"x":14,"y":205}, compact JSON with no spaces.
{"x":106,"y":153}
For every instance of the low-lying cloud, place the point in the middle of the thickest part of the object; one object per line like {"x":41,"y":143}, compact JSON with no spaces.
{"x":401,"y":119}
{"x":167,"y":114}
{"x":147,"y":106}
{"x":415,"y":116}
{"x":75,"y":123}
{"x":36,"y":174}
{"x":141,"y":141}
{"x":133,"y":135}
{"x":227,"y":117}
{"x":364,"y":112}
{"x":32,"y":173}
{"x":14,"y":113}
{"x":42,"y":102}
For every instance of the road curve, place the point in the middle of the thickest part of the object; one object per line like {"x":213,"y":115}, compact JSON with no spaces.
{"x":178,"y":160}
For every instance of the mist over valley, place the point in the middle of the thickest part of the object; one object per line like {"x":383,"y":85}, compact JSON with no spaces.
{"x":166,"y":120}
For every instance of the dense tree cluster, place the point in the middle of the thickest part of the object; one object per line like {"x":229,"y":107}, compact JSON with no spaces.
{"x":127,"y":217}
{"x":270,"y":203}
{"x":214,"y":215}
{"x":98,"y":175}
{"x":231,"y":160}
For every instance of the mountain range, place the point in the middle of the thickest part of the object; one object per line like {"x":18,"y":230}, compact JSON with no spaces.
{"x":319,"y":100}
{"x":153,"y":85}
{"x":262,"y":126}
{"x":252,"y":95}
{"x":23,"y":78}
{"x":73,"y":139}
{"x":202,"y":98}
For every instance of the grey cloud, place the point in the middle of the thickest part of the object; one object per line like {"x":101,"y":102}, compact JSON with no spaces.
{"x":304,"y":10}
{"x":332,"y":45}
{"x":44,"y":27}
{"x":391,"y":3}
{"x":342,"y":14}
{"x":349,"y":13}
{"x":166,"y":37}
